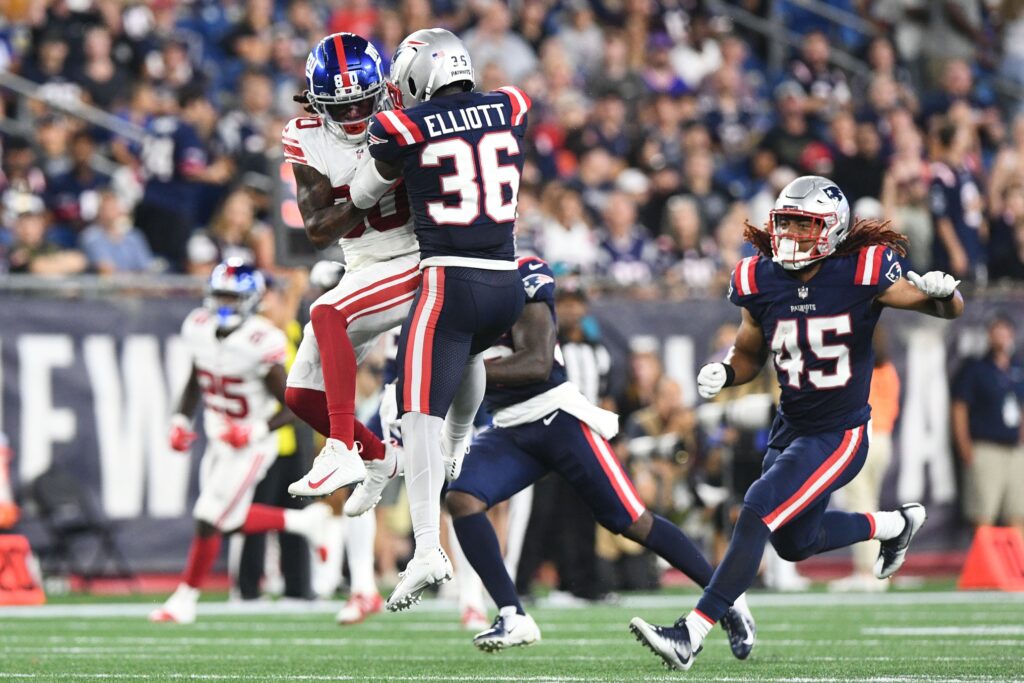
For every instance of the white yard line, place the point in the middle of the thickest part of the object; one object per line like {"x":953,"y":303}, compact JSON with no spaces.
{"x":1007,"y":630}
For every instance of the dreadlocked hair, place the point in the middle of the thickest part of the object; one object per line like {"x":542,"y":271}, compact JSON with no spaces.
{"x":864,"y":233}
{"x":303,"y":98}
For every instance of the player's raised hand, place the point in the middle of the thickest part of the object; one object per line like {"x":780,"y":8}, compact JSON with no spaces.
{"x":241,"y":435}
{"x":935,"y":283}
{"x":711,"y":379}
{"x":181,"y":435}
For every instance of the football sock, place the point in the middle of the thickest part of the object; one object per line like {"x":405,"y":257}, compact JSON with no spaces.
{"x":459,"y":421}
{"x":670,"y":543}
{"x":739,"y":566}
{"x":886,"y":525}
{"x":480,"y":546}
{"x":373,"y":447}
{"x":360,"y":533}
{"x":338,"y":359}
{"x":310,"y":406}
{"x":699,"y":625}
{"x":201,"y":557}
{"x":424,"y":477}
{"x":262,"y":518}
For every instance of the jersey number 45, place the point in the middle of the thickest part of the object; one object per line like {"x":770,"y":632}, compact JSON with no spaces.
{"x":787,"y":346}
{"x":475,"y":194}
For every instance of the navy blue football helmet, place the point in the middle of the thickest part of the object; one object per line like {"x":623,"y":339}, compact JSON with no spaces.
{"x":346,"y":84}
{"x":234,"y":292}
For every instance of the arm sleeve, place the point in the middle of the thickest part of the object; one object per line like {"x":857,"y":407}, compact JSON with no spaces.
{"x":368,"y":186}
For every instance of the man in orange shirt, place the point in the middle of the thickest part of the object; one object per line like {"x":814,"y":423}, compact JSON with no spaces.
{"x":864,"y":491}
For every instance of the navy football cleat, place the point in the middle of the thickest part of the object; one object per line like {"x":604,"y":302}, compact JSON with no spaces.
{"x":671,"y":643}
{"x":740,"y":627}
{"x":894,"y":551}
{"x":508,"y":630}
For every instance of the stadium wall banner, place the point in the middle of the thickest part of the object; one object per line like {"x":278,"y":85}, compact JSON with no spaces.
{"x":88,"y":385}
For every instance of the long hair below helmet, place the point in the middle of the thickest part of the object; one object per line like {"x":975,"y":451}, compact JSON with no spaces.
{"x":865,"y":233}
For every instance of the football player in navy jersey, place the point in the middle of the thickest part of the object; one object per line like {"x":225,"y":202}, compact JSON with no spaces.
{"x":542,"y":423}
{"x":460,"y":154}
{"x":811,"y":298}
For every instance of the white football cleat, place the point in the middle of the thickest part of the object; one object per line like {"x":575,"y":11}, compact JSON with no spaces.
{"x":336,"y":467}
{"x":180,"y":607}
{"x":474,"y":620}
{"x":358,"y":607}
{"x":894,"y":551}
{"x":422,"y":572}
{"x":508,"y":630}
{"x":378,"y":473}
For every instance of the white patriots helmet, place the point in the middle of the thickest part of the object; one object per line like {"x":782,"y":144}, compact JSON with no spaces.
{"x":426,"y":61}
{"x":820,"y":200}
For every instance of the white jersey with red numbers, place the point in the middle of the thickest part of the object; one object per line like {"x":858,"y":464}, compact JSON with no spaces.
{"x":387,"y":232}
{"x":231,"y":369}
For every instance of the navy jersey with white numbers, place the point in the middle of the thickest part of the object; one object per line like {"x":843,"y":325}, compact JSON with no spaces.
{"x":539,"y":282}
{"x":819,"y":332}
{"x":461,"y":158}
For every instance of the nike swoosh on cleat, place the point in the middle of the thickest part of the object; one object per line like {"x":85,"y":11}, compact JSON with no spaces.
{"x":318,"y":484}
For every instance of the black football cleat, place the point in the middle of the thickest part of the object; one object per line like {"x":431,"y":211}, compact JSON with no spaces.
{"x":671,"y":643}
{"x":740,"y":627}
{"x":894,"y":551}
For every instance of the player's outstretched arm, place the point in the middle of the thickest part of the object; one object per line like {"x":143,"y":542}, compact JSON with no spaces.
{"x":933,"y":293}
{"x":533,"y":337}
{"x":742,"y":363}
{"x":276,"y":381}
{"x":325,"y":222}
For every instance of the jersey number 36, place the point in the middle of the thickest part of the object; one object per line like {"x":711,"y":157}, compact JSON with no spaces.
{"x":465,"y":183}
{"x":787,"y":346}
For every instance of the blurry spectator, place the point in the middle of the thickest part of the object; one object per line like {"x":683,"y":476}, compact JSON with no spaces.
{"x":112,"y":244}
{"x":100,"y":76}
{"x":615,"y":74}
{"x":698,"y":55}
{"x":956,"y":31}
{"x":987,"y":394}
{"x":140,"y":109}
{"x":905,"y":197}
{"x":19,"y":172}
{"x":732,"y":114}
{"x":861,"y":175}
{"x":492,"y":41}
{"x":53,"y":135}
{"x":687,"y":248}
{"x":594,"y":179}
{"x":824,"y":86}
{"x":1012,"y":66}
{"x":658,"y":74}
{"x":243,"y":129}
{"x":958,"y":88}
{"x":567,"y":240}
{"x":607,"y":129}
{"x":661,"y":150}
{"x":234,"y":232}
{"x":534,"y":25}
{"x":644,"y":372}
{"x":881,"y":59}
{"x":730,"y":242}
{"x":580,"y":35}
{"x":699,"y":183}
{"x":177,"y":158}
{"x":1008,"y":168}
{"x":72,"y":197}
{"x":906,"y":21}
{"x":31,"y":251}
{"x":864,"y":492}
{"x":1006,"y":245}
{"x":51,"y":70}
{"x":587,"y":361}
{"x":957,"y":207}
{"x":791,"y":134}
{"x":627,"y":255}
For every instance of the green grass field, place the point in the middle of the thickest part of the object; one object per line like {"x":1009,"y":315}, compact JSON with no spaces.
{"x":890,"y":638}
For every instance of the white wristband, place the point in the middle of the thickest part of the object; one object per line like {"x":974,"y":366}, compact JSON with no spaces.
{"x":368,"y":186}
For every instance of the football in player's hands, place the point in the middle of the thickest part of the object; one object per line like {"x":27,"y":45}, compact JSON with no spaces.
{"x":711,"y":379}
{"x":935,"y":283}
{"x":181,"y":435}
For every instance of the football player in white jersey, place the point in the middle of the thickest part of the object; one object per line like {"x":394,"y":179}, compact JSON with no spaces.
{"x":238,"y":368}
{"x":346,"y":86}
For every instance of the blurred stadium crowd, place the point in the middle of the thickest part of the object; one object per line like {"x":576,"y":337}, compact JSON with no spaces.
{"x":659,"y":127}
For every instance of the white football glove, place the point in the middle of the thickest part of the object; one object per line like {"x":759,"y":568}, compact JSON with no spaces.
{"x":935,"y":283}
{"x":711,"y":379}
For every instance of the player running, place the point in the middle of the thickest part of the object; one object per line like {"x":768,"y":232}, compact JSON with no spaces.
{"x":812,"y":298}
{"x":346,"y":87}
{"x":460,"y":154}
{"x":542,"y":423}
{"x":238,"y":367}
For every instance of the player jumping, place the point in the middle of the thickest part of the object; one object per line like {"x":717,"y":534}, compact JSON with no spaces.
{"x":460,"y":154}
{"x":238,"y":367}
{"x":812,"y":298}
{"x":346,"y":87}
{"x":542,"y":423}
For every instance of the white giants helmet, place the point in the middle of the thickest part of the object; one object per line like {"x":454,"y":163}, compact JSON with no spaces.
{"x":426,"y":61}
{"x":822,"y":202}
